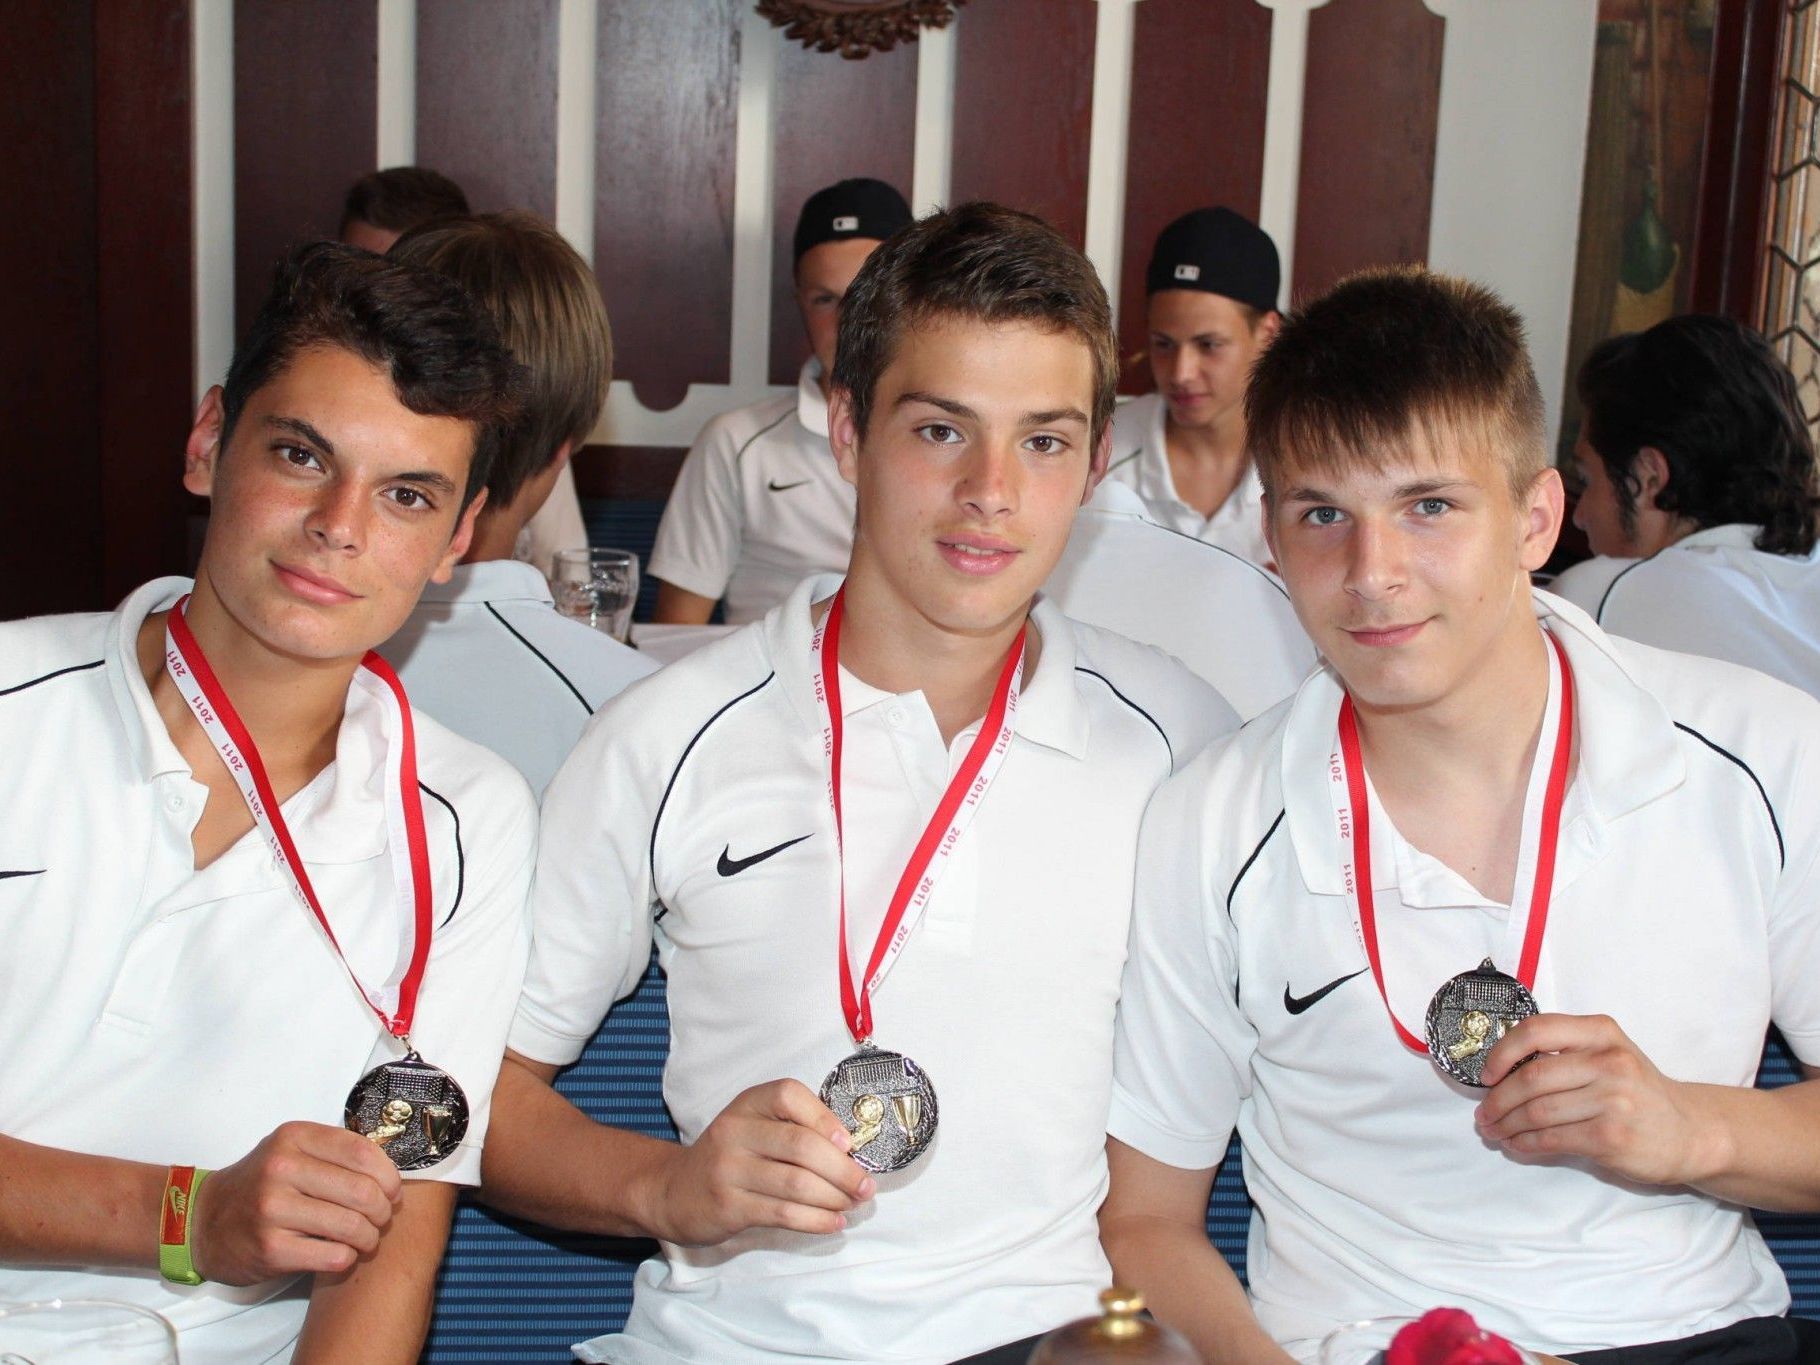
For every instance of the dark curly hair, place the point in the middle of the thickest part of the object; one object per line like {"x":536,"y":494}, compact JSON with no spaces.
{"x":439,"y":347}
{"x":1711,"y":395}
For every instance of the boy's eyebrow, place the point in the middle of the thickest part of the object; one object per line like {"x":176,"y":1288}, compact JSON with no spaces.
{"x":1423,"y":488}
{"x":1049,"y":416}
{"x":954,"y":409}
{"x":429,"y":478}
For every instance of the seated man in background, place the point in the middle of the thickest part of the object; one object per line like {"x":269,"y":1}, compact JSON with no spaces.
{"x":1477,"y":939}
{"x":216,"y":816}
{"x":1212,"y":309}
{"x":486,"y":652}
{"x":381,"y":207}
{"x":724,"y":808}
{"x":1699,"y":498}
{"x":759,"y":504}
{"x":1224,"y":616}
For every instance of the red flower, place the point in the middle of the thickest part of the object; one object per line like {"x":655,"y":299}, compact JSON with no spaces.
{"x":1449,"y":1336}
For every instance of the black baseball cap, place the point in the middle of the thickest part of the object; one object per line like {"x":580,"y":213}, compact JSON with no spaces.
{"x":1218,"y":252}
{"x":852,"y":208}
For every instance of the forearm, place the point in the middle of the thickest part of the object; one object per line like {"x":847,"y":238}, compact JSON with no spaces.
{"x":547,"y":1161}
{"x":68,"y":1208}
{"x":680,"y":607}
{"x":1187,"y":1284}
{"x":1756,"y":1147}
{"x":379,"y":1312}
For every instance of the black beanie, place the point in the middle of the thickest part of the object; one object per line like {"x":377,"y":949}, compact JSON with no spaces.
{"x":853,"y":208}
{"x":1218,"y":252}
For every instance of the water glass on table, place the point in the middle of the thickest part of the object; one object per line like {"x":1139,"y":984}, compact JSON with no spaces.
{"x":597,"y":587}
{"x":84,"y":1332}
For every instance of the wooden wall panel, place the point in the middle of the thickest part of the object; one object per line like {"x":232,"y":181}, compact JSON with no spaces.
{"x":49,"y":532}
{"x":146,"y":307}
{"x":663,"y":176}
{"x":305,"y":96}
{"x":834,"y":119}
{"x":486,"y":100}
{"x":1372,"y":98}
{"x":1199,"y":76}
{"x":1023,"y":96}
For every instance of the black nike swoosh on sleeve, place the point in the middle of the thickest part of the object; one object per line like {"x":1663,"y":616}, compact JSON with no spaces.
{"x":729,"y":866}
{"x":1297,"y":1004}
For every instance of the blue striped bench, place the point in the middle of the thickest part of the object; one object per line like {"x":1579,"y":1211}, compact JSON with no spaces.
{"x":511,"y":1292}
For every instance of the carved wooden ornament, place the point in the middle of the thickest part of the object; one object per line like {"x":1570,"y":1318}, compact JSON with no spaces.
{"x":857,"y":28}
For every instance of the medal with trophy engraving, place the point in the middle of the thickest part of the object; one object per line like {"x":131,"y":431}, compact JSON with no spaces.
{"x":414,"y":1112}
{"x":885,"y":1100}
{"x":1471,"y":1012}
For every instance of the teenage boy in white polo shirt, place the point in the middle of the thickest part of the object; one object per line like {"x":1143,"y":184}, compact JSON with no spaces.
{"x":1212,"y":309}
{"x":171,"y":1003}
{"x":1699,"y":498}
{"x":759,"y":504}
{"x":486,"y":652}
{"x":1630,"y":836}
{"x":972,"y":386}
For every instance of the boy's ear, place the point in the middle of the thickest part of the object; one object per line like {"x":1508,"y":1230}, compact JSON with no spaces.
{"x":1102,"y":457}
{"x":1543,"y":510}
{"x":843,"y":434}
{"x":459,"y":542}
{"x":202,"y":451}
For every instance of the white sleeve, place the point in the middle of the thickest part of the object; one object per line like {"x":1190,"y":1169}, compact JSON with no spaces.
{"x":1182,"y":1050}
{"x":476,"y":965}
{"x":699,"y":537}
{"x":592,"y":900}
{"x":1794,"y":924}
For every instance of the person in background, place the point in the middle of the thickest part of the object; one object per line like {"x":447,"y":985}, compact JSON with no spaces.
{"x":182,"y":775}
{"x":1212,"y":288}
{"x":486,"y":652}
{"x":926,"y":1216}
{"x":759,"y":504}
{"x":1476,"y":940}
{"x":1699,"y":498}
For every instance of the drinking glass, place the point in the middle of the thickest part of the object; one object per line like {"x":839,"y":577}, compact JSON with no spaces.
{"x":597,"y":586}
{"x":84,"y":1332}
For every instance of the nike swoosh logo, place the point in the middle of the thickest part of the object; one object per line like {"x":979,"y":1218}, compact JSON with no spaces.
{"x":1296,"y":1004}
{"x":729,"y":866}
{"x":777,"y":487}
{"x":23,"y":872}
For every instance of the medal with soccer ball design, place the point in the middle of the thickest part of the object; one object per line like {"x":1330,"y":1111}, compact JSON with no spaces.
{"x":414,"y":1112}
{"x":884,"y":1100}
{"x":1470,"y":1014}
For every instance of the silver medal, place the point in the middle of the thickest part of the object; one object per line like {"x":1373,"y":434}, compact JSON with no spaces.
{"x":414,"y":1112}
{"x":1470,"y":1014}
{"x":885,"y":1101}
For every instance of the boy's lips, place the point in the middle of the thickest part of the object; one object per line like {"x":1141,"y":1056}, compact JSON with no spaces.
{"x":313,"y":587}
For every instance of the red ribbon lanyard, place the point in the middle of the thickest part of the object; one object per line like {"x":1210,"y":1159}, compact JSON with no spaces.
{"x":1356,"y":833}
{"x":208,"y":702}
{"x":965,"y":791}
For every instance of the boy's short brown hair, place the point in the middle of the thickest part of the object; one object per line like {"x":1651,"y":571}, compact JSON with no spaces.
{"x":400,"y":198}
{"x":546,"y":303}
{"x":980,"y":262}
{"x":1389,"y":356}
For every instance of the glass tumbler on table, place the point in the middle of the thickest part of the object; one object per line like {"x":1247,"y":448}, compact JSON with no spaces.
{"x":84,"y":1332}
{"x":597,"y":587}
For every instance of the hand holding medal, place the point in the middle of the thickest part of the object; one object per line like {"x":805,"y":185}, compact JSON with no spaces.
{"x":884,"y":1099}
{"x":414,"y":1112}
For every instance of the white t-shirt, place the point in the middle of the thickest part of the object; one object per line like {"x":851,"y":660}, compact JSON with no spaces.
{"x":759,"y":505}
{"x":1686,"y":906}
{"x":1712,"y":593}
{"x":1140,"y":460}
{"x":1221,"y":614}
{"x":488,"y":655}
{"x":694,"y":812}
{"x":178,"y":1016}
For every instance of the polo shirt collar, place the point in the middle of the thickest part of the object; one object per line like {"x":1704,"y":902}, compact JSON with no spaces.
{"x":1732,"y":536}
{"x":1050,"y":709}
{"x":1627,"y":754}
{"x":811,"y":407}
{"x":339,"y":817}
{"x":491,"y":580}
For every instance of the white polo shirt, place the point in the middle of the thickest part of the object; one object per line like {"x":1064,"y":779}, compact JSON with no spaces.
{"x":1221,"y":614}
{"x":158,"y":1013}
{"x":759,"y":505}
{"x":1686,"y":906}
{"x":695,"y":812}
{"x":1140,"y":459}
{"x":1712,"y":593}
{"x":490,"y":657}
